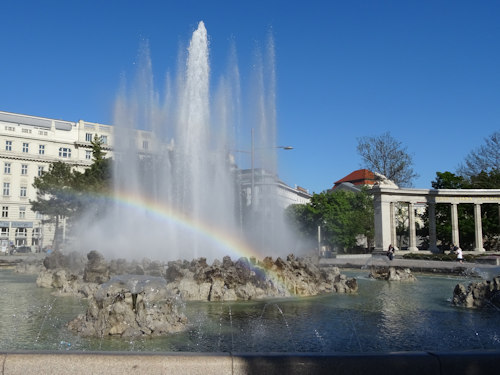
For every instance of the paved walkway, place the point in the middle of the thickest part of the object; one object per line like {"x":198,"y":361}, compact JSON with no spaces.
{"x":416,"y":265}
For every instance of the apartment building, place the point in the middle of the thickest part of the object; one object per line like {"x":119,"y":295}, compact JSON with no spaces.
{"x":28,"y":145}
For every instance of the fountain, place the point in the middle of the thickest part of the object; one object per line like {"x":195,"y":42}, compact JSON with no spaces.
{"x":181,"y":198}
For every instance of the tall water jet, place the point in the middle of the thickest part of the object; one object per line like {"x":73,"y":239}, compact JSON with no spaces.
{"x":176,"y":185}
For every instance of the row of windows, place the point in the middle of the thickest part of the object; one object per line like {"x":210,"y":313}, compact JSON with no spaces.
{"x":64,"y":152}
{"x":20,"y":232}
{"x":89,"y":137}
{"x":23,"y":192}
{"x":22,"y":212}
{"x":7,"y":167}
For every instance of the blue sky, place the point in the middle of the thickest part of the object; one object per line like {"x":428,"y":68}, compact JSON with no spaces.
{"x":426,"y":71}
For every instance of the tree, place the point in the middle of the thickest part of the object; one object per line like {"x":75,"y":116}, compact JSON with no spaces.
{"x":386,"y":155}
{"x":342,"y":216}
{"x":485,"y":158}
{"x":55,"y":196}
{"x":66,"y":194}
{"x":92,"y":186}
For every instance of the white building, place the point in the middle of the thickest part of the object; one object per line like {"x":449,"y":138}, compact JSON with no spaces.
{"x":28,"y":145}
{"x":268,"y":189}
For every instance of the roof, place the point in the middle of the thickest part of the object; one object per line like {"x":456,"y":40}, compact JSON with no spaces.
{"x":359,"y":177}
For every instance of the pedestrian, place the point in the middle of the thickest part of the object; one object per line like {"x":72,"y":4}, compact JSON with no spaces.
{"x":390,"y":252}
{"x":458,"y":251}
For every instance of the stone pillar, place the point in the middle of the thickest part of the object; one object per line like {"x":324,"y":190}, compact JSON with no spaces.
{"x":382,"y":221}
{"x":394,"y":238}
{"x":411,"y":223}
{"x":478,"y":228}
{"x":432,"y":228}
{"x":454,"y":225}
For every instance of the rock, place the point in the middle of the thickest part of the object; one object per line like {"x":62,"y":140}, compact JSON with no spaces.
{"x":478,"y":294}
{"x":392,"y":274}
{"x":96,"y":269}
{"x":130,"y":306}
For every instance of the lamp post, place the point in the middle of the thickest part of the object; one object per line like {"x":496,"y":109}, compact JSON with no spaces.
{"x":252,"y":166}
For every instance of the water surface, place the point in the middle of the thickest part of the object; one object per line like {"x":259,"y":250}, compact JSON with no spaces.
{"x":382,"y":316}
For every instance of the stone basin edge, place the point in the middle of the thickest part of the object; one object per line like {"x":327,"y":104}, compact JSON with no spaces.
{"x":483,"y":362}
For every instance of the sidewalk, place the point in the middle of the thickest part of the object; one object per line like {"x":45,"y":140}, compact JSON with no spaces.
{"x":416,"y":265}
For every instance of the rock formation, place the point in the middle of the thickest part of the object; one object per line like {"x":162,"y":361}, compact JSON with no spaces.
{"x":478,"y":294}
{"x":248,"y":279}
{"x":392,"y":274}
{"x":130,"y":306}
{"x":76,"y":275}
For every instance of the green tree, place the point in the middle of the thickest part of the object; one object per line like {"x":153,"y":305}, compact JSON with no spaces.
{"x":342,"y":216}
{"x":55,"y":196}
{"x":63,"y":193}
{"x":385,"y":155}
{"x":92,"y":186}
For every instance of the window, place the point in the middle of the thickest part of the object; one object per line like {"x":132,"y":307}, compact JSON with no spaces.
{"x":88,"y":154}
{"x":25,"y":147}
{"x":6,"y":188}
{"x":6,"y":168}
{"x":22,"y":212}
{"x":88,"y":137}
{"x":23,"y":191}
{"x":24,"y":169}
{"x":40,"y":170}
{"x":5,"y":232}
{"x":64,"y":152}
{"x":41,"y":149}
{"x":21,"y":232}
{"x":104,"y":139}
{"x":5,"y":211}
{"x":8,"y":145}
{"x":38,"y":215}
{"x":145,"y":145}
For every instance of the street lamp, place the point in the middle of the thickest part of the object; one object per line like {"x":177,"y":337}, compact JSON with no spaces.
{"x":252,"y":165}
{"x":252,"y":189}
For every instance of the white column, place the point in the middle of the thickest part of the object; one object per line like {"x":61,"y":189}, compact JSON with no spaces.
{"x":412,"y":229}
{"x":382,"y":221}
{"x":454,"y":225}
{"x":432,"y":228}
{"x":478,"y":228}
{"x":393,"y":226}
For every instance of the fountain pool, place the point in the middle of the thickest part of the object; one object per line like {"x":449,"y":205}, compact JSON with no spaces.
{"x":381,"y":317}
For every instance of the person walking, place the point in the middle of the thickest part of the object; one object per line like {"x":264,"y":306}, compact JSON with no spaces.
{"x":460,"y":255}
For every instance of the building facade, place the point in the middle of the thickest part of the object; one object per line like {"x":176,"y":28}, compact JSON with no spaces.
{"x":269,"y":190}
{"x":28,"y":145}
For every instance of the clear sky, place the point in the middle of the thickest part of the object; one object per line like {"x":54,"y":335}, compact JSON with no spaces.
{"x":426,"y":71}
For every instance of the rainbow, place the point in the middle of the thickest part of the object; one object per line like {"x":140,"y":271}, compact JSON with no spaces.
{"x":229,"y":242}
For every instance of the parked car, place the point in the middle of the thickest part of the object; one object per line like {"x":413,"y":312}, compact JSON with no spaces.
{"x":23,"y":249}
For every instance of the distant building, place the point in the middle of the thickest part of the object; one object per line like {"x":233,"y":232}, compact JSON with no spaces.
{"x":362,"y":177}
{"x":269,"y":190}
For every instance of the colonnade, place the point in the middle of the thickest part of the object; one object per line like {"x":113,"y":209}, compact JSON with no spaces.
{"x":386,"y":198}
